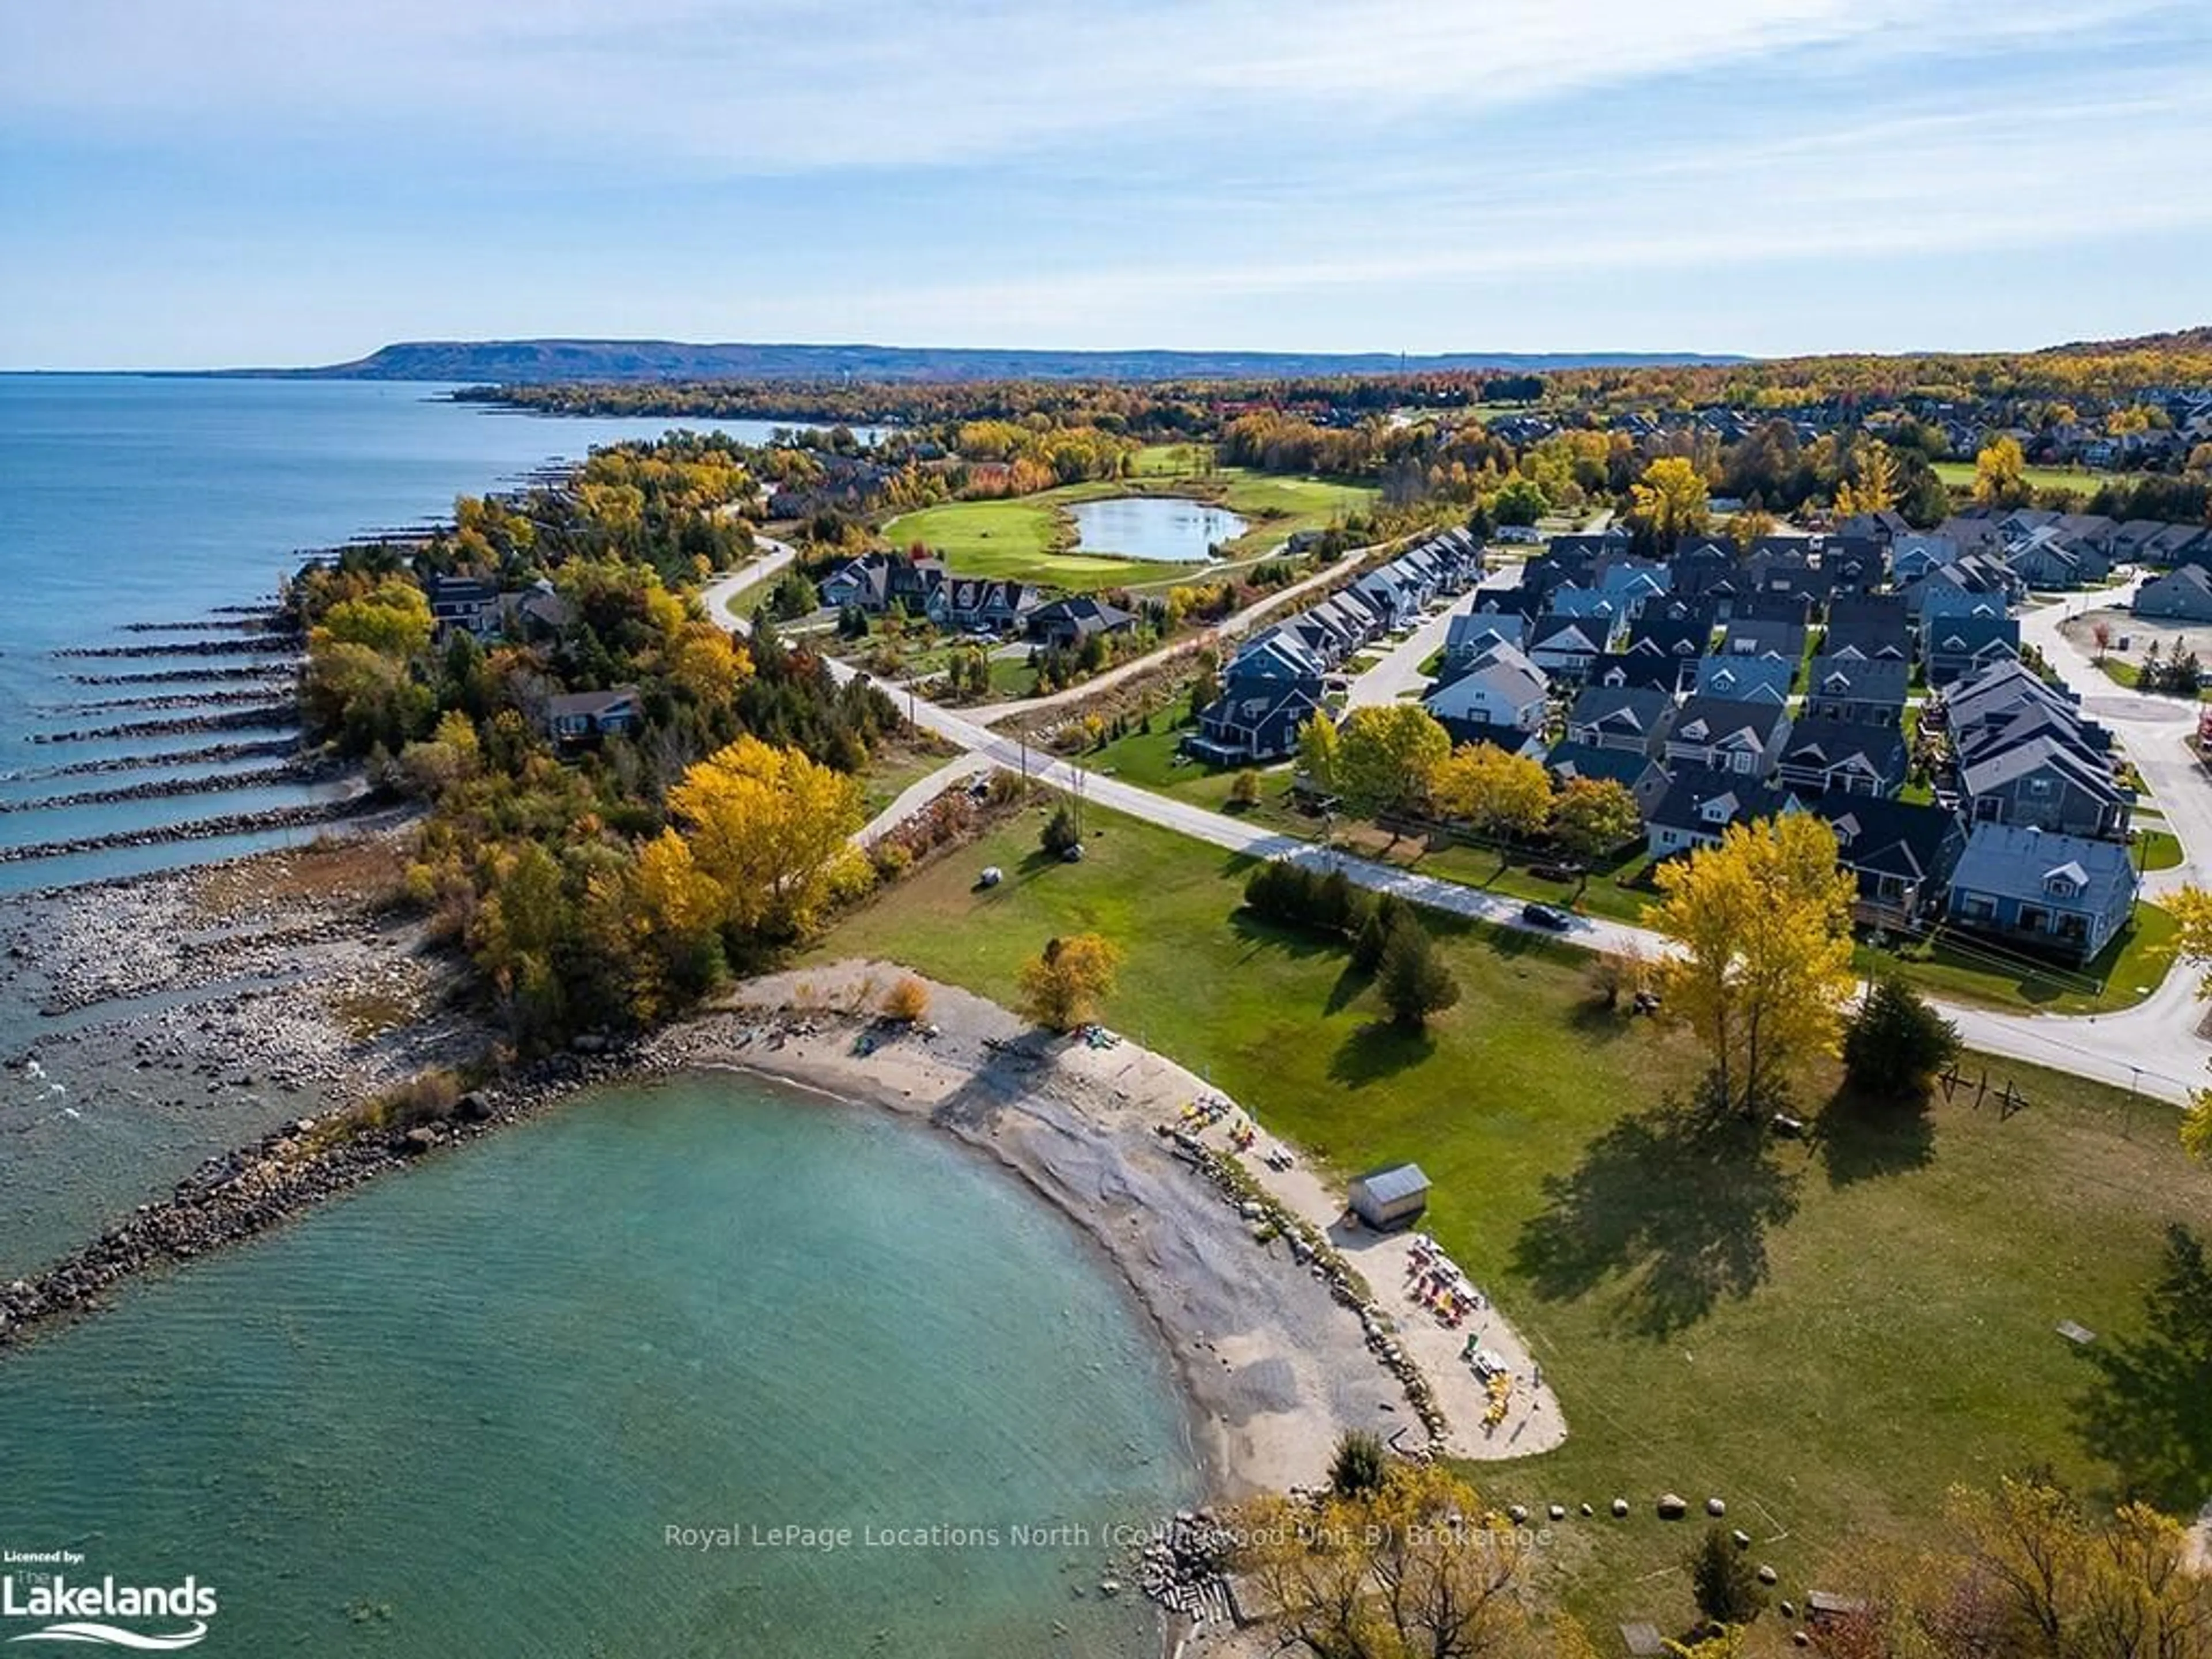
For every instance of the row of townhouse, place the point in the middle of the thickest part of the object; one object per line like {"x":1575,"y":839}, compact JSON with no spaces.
{"x":1278,"y":680}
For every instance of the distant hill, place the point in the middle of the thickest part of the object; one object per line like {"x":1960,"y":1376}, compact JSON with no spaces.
{"x":2178,"y":340}
{"x":526,"y":362}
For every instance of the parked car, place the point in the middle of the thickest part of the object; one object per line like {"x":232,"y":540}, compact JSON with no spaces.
{"x":1546,"y":915}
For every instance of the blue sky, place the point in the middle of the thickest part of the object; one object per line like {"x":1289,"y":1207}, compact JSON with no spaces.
{"x":206,"y":182}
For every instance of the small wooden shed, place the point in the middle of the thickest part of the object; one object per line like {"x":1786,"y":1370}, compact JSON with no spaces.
{"x":1392,"y":1197}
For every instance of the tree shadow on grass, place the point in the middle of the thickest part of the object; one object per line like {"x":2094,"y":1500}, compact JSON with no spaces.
{"x":1378,"y":1051}
{"x":2149,"y":1411}
{"x":1673,"y":1204}
{"x":1860,"y":1137}
{"x":1260,"y":934}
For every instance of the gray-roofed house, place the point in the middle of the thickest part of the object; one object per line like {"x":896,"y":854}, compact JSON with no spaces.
{"x":1753,"y":636}
{"x":1564,"y":646}
{"x":1959,"y":647}
{"x":1474,"y":632}
{"x":466,"y":604}
{"x":1726,"y":736}
{"x":1700,"y":803}
{"x":1745,"y":679}
{"x":1389,"y":1198}
{"x":1901,"y":852}
{"x":2184,"y":594}
{"x":1500,"y":687}
{"x":1069,"y":621}
{"x":1254,"y":720}
{"x":2044,"y":784}
{"x":1636,"y":773}
{"x":2058,"y":893}
{"x":1869,"y":692}
{"x":1630,"y":719}
{"x":577,"y":719}
{"x":1830,"y":757}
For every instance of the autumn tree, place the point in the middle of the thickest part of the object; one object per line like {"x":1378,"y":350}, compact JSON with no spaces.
{"x":1671,"y":500}
{"x":1319,"y":751}
{"x":2192,"y":915}
{"x":1416,"y":1568}
{"x":1064,"y":985}
{"x":1591,"y":817}
{"x":392,"y":619}
{"x":2001,"y":476}
{"x":1764,"y":971}
{"x":1874,"y":488}
{"x":1386,"y":755}
{"x":768,"y":827}
{"x":1505,"y":796}
{"x":2037,"y":1576}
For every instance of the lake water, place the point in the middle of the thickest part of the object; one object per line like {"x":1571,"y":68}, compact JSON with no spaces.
{"x":1167,"y":528}
{"x":127,"y":500}
{"x":454,"y":1412}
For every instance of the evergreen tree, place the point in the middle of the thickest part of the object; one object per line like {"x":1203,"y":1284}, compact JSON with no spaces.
{"x":1897,"y":1041}
{"x":1415,"y":983}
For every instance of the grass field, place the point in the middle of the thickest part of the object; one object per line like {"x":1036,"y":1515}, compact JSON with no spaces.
{"x":1959,"y":475}
{"x":1024,"y":540}
{"x":1825,"y":1331}
{"x":2127,"y":972}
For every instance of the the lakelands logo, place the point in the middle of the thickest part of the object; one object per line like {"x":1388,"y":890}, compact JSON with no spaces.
{"x":102,"y":1613}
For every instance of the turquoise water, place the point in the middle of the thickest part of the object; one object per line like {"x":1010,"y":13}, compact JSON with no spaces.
{"x":131,"y":499}
{"x":1164,"y":527}
{"x":455,"y":1411}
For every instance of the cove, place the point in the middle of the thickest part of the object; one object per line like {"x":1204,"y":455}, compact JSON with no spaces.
{"x":461,"y":1410}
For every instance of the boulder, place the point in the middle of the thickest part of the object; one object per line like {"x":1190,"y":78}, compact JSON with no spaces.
{"x":1741,"y":1539}
{"x":1558,"y":1511}
{"x":473,"y":1107}
{"x":1672,"y":1506}
{"x":418,"y":1139}
{"x":1619,"y":1507}
{"x":1714,"y":1507}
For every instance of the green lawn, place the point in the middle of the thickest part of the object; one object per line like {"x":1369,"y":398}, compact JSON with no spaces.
{"x":1959,"y":475}
{"x":1015,"y":539}
{"x":1022,"y":539}
{"x":1827,"y":1333}
{"x":2156,"y":849}
{"x":2128,"y":970}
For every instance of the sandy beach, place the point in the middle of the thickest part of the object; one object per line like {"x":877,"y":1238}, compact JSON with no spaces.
{"x":1276,"y":1365}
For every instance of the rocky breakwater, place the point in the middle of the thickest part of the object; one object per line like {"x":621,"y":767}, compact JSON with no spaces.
{"x":231,"y":823}
{"x":259,"y":713}
{"x":257,"y":1187}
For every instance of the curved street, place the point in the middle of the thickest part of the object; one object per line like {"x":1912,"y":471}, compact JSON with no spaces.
{"x":2155,"y":1047}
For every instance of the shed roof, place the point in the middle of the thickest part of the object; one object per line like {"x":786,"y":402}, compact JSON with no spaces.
{"x":1397,"y":1180}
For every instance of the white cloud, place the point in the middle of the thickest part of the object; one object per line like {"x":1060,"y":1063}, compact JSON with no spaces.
{"x":766,"y":86}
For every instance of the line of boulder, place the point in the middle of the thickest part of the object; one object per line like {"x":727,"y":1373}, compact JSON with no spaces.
{"x":231,"y":823}
{"x":259,"y":715}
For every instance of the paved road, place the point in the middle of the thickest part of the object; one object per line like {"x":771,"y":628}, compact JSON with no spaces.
{"x":2153,"y":1046}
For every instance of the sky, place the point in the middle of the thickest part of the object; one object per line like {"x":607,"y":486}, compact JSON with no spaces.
{"x":204,"y":183}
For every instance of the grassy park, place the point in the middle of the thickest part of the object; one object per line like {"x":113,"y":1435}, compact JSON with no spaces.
{"x":1029,"y":539}
{"x":1959,"y":475}
{"x":1827,"y":1332}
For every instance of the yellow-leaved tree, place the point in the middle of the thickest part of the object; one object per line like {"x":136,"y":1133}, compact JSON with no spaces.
{"x":1671,"y":500}
{"x":1764,"y":972}
{"x":1065,"y":984}
{"x":1386,"y":755}
{"x":1875,"y":488}
{"x":2192,"y":915}
{"x":2001,"y":476}
{"x":1416,"y":1568}
{"x":769,"y":829}
{"x":1507,"y":797}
